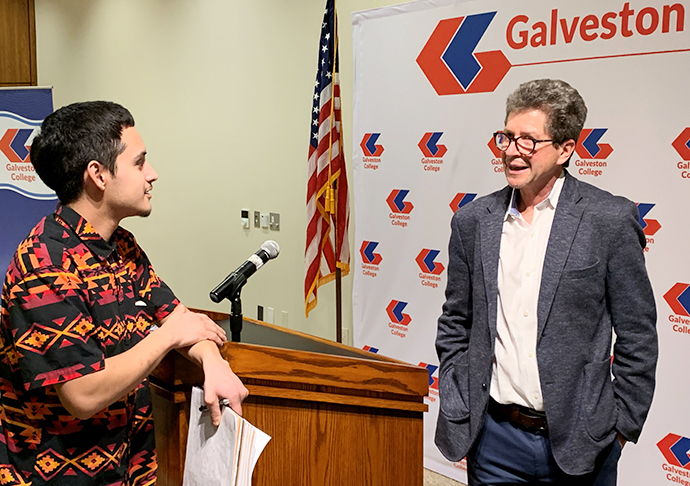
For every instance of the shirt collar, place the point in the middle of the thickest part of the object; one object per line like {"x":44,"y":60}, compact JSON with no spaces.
{"x":69,"y":218}
{"x":550,"y":201}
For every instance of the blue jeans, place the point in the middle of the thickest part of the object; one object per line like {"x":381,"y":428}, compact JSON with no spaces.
{"x":508,"y":455}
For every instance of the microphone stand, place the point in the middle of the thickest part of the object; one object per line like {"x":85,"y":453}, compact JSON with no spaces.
{"x":236,"y":311}
{"x":236,"y":317}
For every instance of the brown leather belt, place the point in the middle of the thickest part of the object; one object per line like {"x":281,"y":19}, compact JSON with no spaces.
{"x":519,"y":416}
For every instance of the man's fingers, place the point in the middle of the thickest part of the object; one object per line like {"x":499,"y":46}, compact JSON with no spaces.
{"x":219,"y":335}
{"x":216,"y":338}
{"x":236,"y":405}
{"x":214,"y":408}
{"x":221,"y":332}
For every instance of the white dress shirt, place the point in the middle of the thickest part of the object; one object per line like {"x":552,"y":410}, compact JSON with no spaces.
{"x":515,"y":374}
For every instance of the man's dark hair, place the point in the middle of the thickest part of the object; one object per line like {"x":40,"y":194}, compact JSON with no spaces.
{"x":73,"y":136}
{"x":563,"y":106}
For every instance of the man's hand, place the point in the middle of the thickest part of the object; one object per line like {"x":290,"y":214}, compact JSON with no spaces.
{"x":621,"y":440}
{"x":197,"y":337}
{"x":220,"y":382}
{"x":185,"y":328}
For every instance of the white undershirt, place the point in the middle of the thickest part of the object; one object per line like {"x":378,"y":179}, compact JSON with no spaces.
{"x":515,"y":374}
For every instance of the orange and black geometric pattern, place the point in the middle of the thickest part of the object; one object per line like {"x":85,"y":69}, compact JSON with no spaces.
{"x":70,"y":300}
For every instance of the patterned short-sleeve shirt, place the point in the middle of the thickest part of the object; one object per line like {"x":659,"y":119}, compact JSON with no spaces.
{"x":70,"y":300}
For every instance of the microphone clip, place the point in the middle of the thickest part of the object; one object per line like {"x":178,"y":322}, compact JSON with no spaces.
{"x":233,"y":287}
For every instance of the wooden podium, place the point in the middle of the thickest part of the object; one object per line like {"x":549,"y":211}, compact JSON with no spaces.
{"x":337,"y":415}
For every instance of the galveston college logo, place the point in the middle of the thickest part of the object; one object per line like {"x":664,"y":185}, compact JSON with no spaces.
{"x":449,"y":62}
{"x":591,"y":152}
{"x":649,"y":226}
{"x":16,"y":172}
{"x":676,"y":451}
{"x":372,"y":151}
{"x":678,"y":299}
{"x":496,"y":160}
{"x":433,"y":381}
{"x":430,"y":270}
{"x":370,"y":260}
{"x":682,"y":146}
{"x":398,"y":320}
{"x":399,"y":207}
{"x":460,"y":199}
{"x":370,"y":349}
{"x":433,"y":151}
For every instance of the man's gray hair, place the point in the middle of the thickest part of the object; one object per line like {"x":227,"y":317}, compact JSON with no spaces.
{"x":564,"y":107}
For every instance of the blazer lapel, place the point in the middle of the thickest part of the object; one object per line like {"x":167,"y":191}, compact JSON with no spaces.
{"x":565,"y":223}
{"x":490,"y":244}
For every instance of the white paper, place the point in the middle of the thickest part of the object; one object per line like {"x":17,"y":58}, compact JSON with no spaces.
{"x":223,"y":455}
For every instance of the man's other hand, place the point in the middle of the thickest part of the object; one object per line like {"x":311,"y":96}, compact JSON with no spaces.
{"x":185,"y":328}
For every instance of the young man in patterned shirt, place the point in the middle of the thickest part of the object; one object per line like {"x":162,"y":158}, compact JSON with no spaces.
{"x":78,"y":304}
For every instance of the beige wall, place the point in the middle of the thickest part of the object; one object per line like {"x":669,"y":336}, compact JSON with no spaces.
{"x":221,"y":93}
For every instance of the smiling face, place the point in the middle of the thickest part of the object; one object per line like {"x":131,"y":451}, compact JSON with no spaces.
{"x":128,"y":190}
{"x":534,"y":174}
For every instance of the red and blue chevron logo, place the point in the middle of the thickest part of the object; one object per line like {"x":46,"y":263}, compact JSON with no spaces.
{"x":682,"y":144}
{"x":430,"y":147}
{"x":369,"y":146}
{"x":450,"y":64}
{"x":649,"y":226}
{"x":588,"y":146}
{"x":426,"y":262}
{"x":367,"y":252}
{"x":678,"y":299}
{"x":460,"y":199}
{"x":13,"y":144}
{"x":395,"y":312}
{"x":396,"y":201}
{"x":433,"y":380}
{"x":494,"y":150}
{"x":370,"y":349}
{"x":676,"y":450}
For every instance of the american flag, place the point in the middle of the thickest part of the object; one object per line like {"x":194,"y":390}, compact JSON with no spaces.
{"x":328,"y":209}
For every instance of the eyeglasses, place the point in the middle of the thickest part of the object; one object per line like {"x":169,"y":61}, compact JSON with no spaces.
{"x":524,"y":144}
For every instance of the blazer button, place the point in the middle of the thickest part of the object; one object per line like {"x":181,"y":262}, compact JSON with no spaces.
{"x":484,"y":386}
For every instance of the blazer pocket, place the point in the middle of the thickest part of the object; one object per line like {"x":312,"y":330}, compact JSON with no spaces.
{"x":598,"y":400}
{"x":453,"y":389}
{"x":582,"y":272}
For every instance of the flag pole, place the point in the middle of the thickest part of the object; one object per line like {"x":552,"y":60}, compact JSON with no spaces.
{"x":338,"y":273}
{"x":338,"y":306}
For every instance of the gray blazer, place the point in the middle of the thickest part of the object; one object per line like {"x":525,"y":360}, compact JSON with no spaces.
{"x":594,"y":280}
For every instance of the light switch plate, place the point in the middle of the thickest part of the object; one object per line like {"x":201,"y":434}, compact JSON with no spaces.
{"x":274,"y":219}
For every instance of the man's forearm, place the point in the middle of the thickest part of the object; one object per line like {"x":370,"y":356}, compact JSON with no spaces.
{"x":88,"y":394}
{"x":85,"y":396}
{"x":201,"y":351}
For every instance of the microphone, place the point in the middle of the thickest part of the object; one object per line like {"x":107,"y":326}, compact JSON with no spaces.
{"x":234,"y":282}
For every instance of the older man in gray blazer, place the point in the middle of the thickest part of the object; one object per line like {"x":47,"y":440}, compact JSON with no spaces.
{"x":540,"y":273}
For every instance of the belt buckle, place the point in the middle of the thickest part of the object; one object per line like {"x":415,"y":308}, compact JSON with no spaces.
{"x":526,"y":418}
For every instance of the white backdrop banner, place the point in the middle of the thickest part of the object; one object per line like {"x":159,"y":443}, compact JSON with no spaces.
{"x":431,"y":79}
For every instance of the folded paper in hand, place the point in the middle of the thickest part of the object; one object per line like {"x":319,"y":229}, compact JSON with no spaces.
{"x":223,"y":455}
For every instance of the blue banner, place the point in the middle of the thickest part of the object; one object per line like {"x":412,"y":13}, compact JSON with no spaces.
{"x":24,"y":199}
